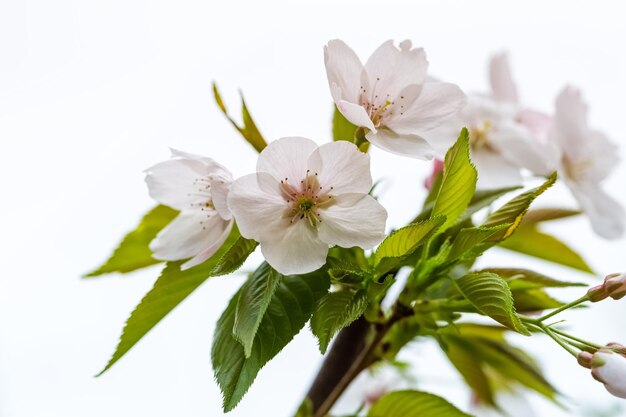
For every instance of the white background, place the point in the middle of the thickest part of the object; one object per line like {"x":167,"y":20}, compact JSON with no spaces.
{"x":91,"y":93}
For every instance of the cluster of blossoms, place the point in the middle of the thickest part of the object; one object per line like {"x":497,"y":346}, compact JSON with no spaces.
{"x":304,"y":199}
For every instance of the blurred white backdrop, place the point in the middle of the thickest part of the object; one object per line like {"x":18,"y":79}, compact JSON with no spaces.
{"x":91,"y":93}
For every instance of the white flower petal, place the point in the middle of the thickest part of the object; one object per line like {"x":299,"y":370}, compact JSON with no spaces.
{"x":210,"y":251}
{"x":494,"y":171}
{"x":172,"y":183}
{"x":286,"y":158}
{"x":258,"y":206}
{"x":341,"y":165}
{"x":436,"y":102}
{"x":406,"y":145}
{"x":209,"y":164}
{"x":501,"y":80}
{"x":612,"y":372}
{"x":190,"y":233}
{"x":355,"y":114}
{"x":570,"y":119}
{"x":359,"y":223}
{"x":219,"y":195}
{"x":391,"y":69}
{"x":296,"y":249}
{"x":605,"y":213}
{"x":343,"y":68}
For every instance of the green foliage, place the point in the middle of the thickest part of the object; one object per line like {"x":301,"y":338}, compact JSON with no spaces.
{"x":488,"y":363}
{"x":529,"y":240}
{"x":305,"y":409}
{"x":472,"y":242}
{"x":134,"y":252}
{"x":513,"y":211}
{"x":413,"y":404}
{"x":484,"y":198}
{"x":235,"y":256}
{"x":254,"y":298}
{"x":172,"y":287}
{"x":248,"y":130}
{"x":342,"y":128}
{"x":403,"y":242}
{"x":335,"y":311}
{"x":524,"y":279}
{"x":490,"y":295}
{"x":457,"y":184}
{"x":288,"y":311}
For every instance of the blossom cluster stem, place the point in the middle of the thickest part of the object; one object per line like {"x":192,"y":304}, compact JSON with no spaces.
{"x":563,"y":308}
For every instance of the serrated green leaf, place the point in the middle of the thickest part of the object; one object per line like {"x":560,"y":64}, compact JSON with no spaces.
{"x":334,"y":312}
{"x":472,"y":242}
{"x":170,"y":289}
{"x":460,"y":355}
{"x":235,"y":256}
{"x":491,"y":296}
{"x":288,"y":311}
{"x":527,"y":301}
{"x":484,"y":198}
{"x":134,"y":251}
{"x":254,"y":298}
{"x":458,"y":182}
{"x":342,"y":128}
{"x":547,"y":214}
{"x":248,"y":130}
{"x":403,"y":242}
{"x":413,"y":404}
{"x":531,"y":241}
{"x":344,"y":271}
{"x":525,"y":279}
{"x":513,"y":211}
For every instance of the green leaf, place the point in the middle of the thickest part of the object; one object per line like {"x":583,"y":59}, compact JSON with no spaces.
{"x":172,"y":287}
{"x":249,"y":131}
{"x":484,"y":198}
{"x":288,"y":311}
{"x":334,"y":312}
{"x":534,"y":300}
{"x":513,"y":211}
{"x":525,"y":279}
{"x":235,"y":256}
{"x":531,"y":241}
{"x":254,"y":298}
{"x":458,"y":182}
{"x":305,"y":409}
{"x":344,"y":271}
{"x":464,"y":360}
{"x":403,"y":242}
{"x":472,"y":242}
{"x":547,"y":214}
{"x":490,"y":295}
{"x":413,"y":404}
{"x":134,"y":252}
{"x":342,"y":128}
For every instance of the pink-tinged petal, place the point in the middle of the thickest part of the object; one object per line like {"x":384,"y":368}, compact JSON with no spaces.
{"x":190,"y":233}
{"x":210,"y":166}
{"x":494,"y":171}
{"x":219,"y":195}
{"x":342,"y":166}
{"x":258,"y":206}
{"x":286,"y":158}
{"x":295,"y":249}
{"x":596,"y":159}
{"x":355,"y":114}
{"x":570,"y":119}
{"x":537,"y":122}
{"x":173,"y":183}
{"x":436,"y":103}
{"x":391,"y":69}
{"x":210,"y":251}
{"x":501,"y":80}
{"x":406,"y":145}
{"x":605,"y":214}
{"x":343,"y":68}
{"x":610,"y":369}
{"x":353,"y":223}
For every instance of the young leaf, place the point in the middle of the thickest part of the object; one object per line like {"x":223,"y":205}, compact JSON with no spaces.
{"x":342,"y":128}
{"x":254,"y":298}
{"x":249,"y":131}
{"x":471,"y":242}
{"x":235,"y":256}
{"x":134,"y":252}
{"x":403,"y":242}
{"x":458,"y":182}
{"x":531,"y":241}
{"x":172,"y":287}
{"x":460,"y":355}
{"x":287,"y":312}
{"x":413,"y":404}
{"x":491,"y":296}
{"x":513,"y":211}
{"x":484,"y":198}
{"x":334,"y":312}
{"x":525,"y":279}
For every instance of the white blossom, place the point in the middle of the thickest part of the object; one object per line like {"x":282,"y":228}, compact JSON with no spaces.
{"x":390,"y":96}
{"x":610,"y":369}
{"x":303,"y":199}
{"x":198,"y":187}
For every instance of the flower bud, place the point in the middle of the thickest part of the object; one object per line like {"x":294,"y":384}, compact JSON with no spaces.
{"x":614,"y":286}
{"x":585,"y":359}
{"x":610,"y":369}
{"x":437,"y":168}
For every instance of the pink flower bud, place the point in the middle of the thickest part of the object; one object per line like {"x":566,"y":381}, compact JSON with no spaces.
{"x":585,"y":359}
{"x":437,"y":168}
{"x":614,"y":286}
{"x":610,"y":369}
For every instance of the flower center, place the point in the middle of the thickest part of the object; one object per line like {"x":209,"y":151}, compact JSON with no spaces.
{"x":306,"y":199}
{"x":380,"y":106}
{"x":576,"y":170}
{"x":479,"y":136}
